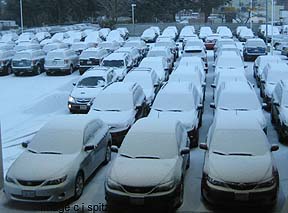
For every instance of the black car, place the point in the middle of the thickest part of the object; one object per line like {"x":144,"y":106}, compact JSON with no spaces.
{"x":254,"y":48}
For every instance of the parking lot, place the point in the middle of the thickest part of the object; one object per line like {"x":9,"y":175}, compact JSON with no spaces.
{"x":32,"y":101}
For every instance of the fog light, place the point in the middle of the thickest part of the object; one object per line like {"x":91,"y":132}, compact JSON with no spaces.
{"x":69,"y":106}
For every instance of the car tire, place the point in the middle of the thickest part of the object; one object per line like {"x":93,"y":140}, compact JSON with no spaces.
{"x":71,"y":70}
{"x":9,"y":70}
{"x":107,"y":155}
{"x":180,"y":195}
{"x":38,"y":70}
{"x":48,"y":73}
{"x":79,"y":185}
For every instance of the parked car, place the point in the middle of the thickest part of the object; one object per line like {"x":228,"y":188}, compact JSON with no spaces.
{"x":160,"y":181}
{"x":78,"y":47}
{"x":226,"y":48}
{"x":110,"y":46}
{"x":27,"y":46}
{"x":149,"y":35}
{"x":239,"y":29}
{"x":272,"y":74}
{"x":88,"y":86}
{"x":138,"y":44}
{"x":91,"y":57}
{"x":9,"y":37}
{"x":170,"y":32}
{"x":42,"y":36}
{"x":279,"y":110}
{"x":171,"y":44}
{"x":26,"y":37}
{"x":260,"y":63}
{"x":225,"y":32}
{"x":115,"y":36}
{"x":211,"y":40}
{"x":164,"y":52}
{"x":159,"y":64}
{"x":62,"y":156}
{"x":147,"y":79}
{"x":245,"y":34}
{"x":93,"y":39}
{"x":271,"y":30}
{"x":254,"y":48}
{"x":240,"y":97}
{"x":205,"y":32}
{"x":239,"y":167}
{"x":104,"y":32}
{"x":61,"y":61}
{"x":54,"y":46}
{"x":230,"y":60}
{"x":121,"y":62}
{"x":186,"y":107}
{"x":6,"y":57}
{"x":28,"y":61}
{"x":199,"y":51}
{"x":133,"y":52}
{"x":119,"y":105}
{"x":124,"y":32}
{"x":186,"y":31}
{"x":192,"y":62}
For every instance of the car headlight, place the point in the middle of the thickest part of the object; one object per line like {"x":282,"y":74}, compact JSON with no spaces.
{"x":165,"y":186}
{"x":57,"y":181}
{"x":9,"y":179}
{"x":71,"y":99}
{"x":267,"y":183}
{"x":215,"y":182}
{"x":114,"y":185}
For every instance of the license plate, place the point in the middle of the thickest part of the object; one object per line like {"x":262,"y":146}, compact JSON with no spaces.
{"x":89,"y":62}
{"x":137,"y":200}
{"x":28,"y":193}
{"x":83,"y":107}
{"x":242,"y":196}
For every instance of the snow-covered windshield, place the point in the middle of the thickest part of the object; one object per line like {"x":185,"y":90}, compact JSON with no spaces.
{"x":55,"y":55}
{"x":143,"y":80}
{"x":249,"y":142}
{"x":229,"y":62}
{"x":113,"y":102}
{"x":238,"y":101}
{"x":255,"y":44}
{"x":113,"y":63}
{"x":20,"y":56}
{"x":95,"y":81}
{"x":157,"y":146}
{"x":157,"y":53}
{"x":181,"y":102}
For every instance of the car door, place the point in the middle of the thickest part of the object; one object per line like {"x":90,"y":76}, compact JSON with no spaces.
{"x":276,"y":103}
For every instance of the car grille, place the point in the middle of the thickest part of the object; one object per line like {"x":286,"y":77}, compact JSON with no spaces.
{"x":20,"y":197}
{"x":242,"y":186}
{"x":30,"y":183}
{"x":22,"y":63}
{"x":91,"y":61}
{"x":83,"y":100}
{"x":133,"y":189}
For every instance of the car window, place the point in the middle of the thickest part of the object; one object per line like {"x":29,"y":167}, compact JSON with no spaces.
{"x":94,"y":81}
{"x":113,"y":63}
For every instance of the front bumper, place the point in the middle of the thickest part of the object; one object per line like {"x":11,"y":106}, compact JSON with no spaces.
{"x":78,"y":108}
{"x":39,"y":194}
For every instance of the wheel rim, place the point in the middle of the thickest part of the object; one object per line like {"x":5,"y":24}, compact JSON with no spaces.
{"x":108,"y":154}
{"x":79,"y":185}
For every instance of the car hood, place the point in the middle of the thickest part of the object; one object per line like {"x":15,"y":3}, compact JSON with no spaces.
{"x":269,"y":88}
{"x":85,"y":92}
{"x":142,"y":172}
{"x":187,"y":118}
{"x":240,"y":169}
{"x":116,"y":119}
{"x":29,"y":166}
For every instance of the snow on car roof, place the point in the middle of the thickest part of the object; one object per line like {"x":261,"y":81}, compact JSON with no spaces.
{"x":124,"y":49}
{"x":237,"y":86}
{"x":281,"y":66}
{"x":153,"y":59}
{"x":116,"y":56}
{"x":119,"y":87}
{"x":96,"y":71}
{"x":177,"y":87}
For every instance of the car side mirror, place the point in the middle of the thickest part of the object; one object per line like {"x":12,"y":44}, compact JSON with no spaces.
{"x":185,"y":151}
{"x":212,"y":105}
{"x":200,"y":106}
{"x":74,"y":84}
{"x":264,"y":106}
{"x":114,"y":149}
{"x":89,"y":148}
{"x":203,"y":146}
{"x":213,"y":86}
{"x":25,"y":144}
{"x":274,"y":148}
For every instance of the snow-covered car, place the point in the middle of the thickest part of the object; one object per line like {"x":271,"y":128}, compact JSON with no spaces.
{"x":279,"y":110}
{"x":225,"y":48}
{"x":78,"y":47}
{"x":239,"y":29}
{"x":91,"y":57}
{"x":104,"y":32}
{"x":271,"y":31}
{"x":159,"y":64}
{"x":205,"y":32}
{"x":149,"y":35}
{"x":115,"y":35}
{"x":121,"y":62}
{"x":88,"y":86}
{"x":27,"y":46}
{"x":254,"y":48}
{"x":240,"y":97}
{"x":93,"y":39}
{"x":171,"y":44}
{"x":223,"y":41}
{"x":170,"y":32}
{"x":28,"y":61}
{"x":185,"y":107}
{"x":6,"y":57}
{"x":119,"y":105}
{"x":9,"y":37}
{"x":59,"y":36}
{"x":156,"y":29}
{"x":245,"y":34}
{"x":133,"y":52}
{"x":138,"y":44}
{"x":62,"y":156}
{"x":61,"y":61}
{"x":238,"y":166}
{"x":42,"y":36}
{"x":229,"y":60}
{"x":192,"y":62}
{"x":186,"y":31}
{"x":26,"y":37}
{"x":211,"y":40}
{"x":272,"y":74}
{"x":199,"y":51}
{"x":144,"y":171}
{"x":164,"y":52}
{"x":54,"y":46}
{"x":124,"y":32}
{"x":147,"y":79}
{"x":109,"y":46}
{"x":225,"y":32}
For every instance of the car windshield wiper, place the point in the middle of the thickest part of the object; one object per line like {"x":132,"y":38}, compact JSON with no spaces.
{"x":219,"y":152}
{"x":223,"y":108}
{"x":242,"y":109}
{"x":97,"y":109}
{"x":147,"y":157}
{"x":113,"y":110}
{"x":50,"y":153}
{"x":241,"y":154}
{"x":159,"y":110}
{"x":32,"y":151}
{"x":174,"y":110}
{"x":125,"y":155}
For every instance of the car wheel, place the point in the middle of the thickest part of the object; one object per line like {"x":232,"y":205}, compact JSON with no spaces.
{"x":70,"y":71}
{"x":79,"y":185}
{"x":9,"y":70}
{"x":180,"y":196}
{"x":38,"y":70}
{"x":107,"y":155}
